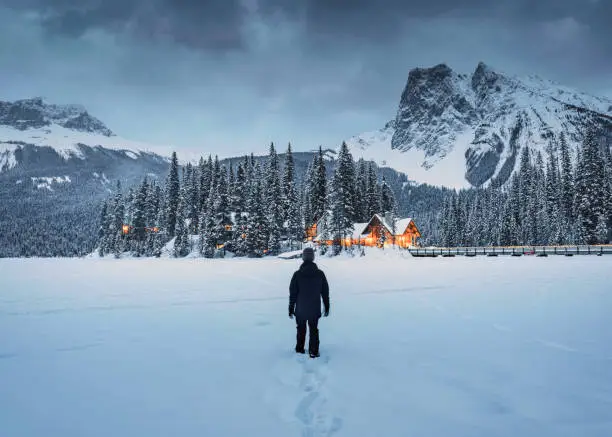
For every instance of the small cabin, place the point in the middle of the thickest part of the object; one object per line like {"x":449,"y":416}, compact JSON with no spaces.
{"x":380,"y":231}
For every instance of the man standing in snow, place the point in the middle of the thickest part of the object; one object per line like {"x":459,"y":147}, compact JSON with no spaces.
{"x":308,"y":286}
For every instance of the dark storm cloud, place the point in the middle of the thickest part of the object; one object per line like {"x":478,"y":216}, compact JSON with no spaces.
{"x":200,"y":24}
{"x":389,"y":18}
{"x":219,"y":24}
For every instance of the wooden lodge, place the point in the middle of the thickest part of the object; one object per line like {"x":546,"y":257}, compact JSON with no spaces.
{"x":378,"y":232}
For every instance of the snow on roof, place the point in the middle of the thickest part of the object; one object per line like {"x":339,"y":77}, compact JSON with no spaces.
{"x":358,"y":230}
{"x":400,"y":225}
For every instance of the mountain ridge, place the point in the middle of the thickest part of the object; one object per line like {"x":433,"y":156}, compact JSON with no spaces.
{"x":481,"y":120}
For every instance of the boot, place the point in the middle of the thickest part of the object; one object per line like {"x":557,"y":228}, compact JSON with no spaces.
{"x":301,"y":337}
{"x":313,"y":343}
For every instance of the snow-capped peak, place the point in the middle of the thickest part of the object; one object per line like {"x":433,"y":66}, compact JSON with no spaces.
{"x":479,"y":122}
{"x":38,"y":113}
{"x":67,"y":129}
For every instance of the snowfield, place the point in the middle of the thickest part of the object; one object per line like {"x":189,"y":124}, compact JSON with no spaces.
{"x":413,"y":347}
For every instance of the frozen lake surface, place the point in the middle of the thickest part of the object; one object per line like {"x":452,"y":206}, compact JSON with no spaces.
{"x":413,"y":347}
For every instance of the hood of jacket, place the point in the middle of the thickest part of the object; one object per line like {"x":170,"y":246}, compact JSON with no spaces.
{"x":309,"y":268}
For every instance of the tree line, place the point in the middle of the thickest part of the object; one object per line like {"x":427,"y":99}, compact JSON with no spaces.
{"x":249,"y":209}
{"x":565,"y":201}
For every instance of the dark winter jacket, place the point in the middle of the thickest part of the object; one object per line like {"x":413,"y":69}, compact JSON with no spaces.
{"x":308,"y":286}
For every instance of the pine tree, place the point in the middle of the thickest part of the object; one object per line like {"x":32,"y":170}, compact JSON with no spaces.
{"x":372,"y":193}
{"x":206,"y":173}
{"x":318,"y":190}
{"x":182,"y":242}
{"x":139,"y":218}
{"x":362,"y":191}
{"x":240,"y":189}
{"x":207,"y":243}
{"x":256,"y":232}
{"x":273,"y":202}
{"x":307,"y":202}
{"x":159,"y":238}
{"x":116,"y":231}
{"x":343,"y":197}
{"x":231,"y":188}
{"x":103,"y":225}
{"x":291,"y":206}
{"x":590,"y":190}
{"x":387,"y":198}
{"x":172,"y":195}
{"x":541,"y":229}
{"x":567,"y":181}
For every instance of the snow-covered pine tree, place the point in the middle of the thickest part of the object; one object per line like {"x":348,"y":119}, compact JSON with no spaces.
{"x":343,"y":197}
{"x":207,"y":243}
{"x":103,"y":225}
{"x":159,"y":238}
{"x":506,"y":232}
{"x":542,"y":230}
{"x":139,"y":221}
{"x":256,"y":232}
{"x":526,"y":191}
{"x":273,"y":202}
{"x":318,"y":190}
{"x":362,"y":191}
{"x":387,"y":198}
{"x":514,"y":199}
{"x":182,"y":241}
{"x":606,"y":154}
{"x":567,"y":182}
{"x":193,"y":200}
{"x":172,"y":195}
{"x":306,"y":196}
{"x":294,"y":229}
{"x":372,"y":193}
{"x":231,"y":188}
{"x":240,"y":188}
{"x":206,"y":174}
{"x":221,"y":207}
{"x":590,"y":190}
{"x":287,"y":182}
{"x":471,"y":227}
{"x":554,"y":200}
{"x":116,"y":231}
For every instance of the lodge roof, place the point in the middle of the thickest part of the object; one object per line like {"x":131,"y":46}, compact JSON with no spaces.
{"x":359,"y":229}
{"x":400,"y":225}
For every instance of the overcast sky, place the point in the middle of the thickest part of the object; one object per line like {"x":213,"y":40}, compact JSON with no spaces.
{"x":228,"y":77}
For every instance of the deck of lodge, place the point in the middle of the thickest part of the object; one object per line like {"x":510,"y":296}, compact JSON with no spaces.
{"x":542,"y":251}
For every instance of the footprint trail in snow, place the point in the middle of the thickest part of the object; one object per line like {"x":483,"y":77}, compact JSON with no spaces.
{"x":302,"y":397}
{"x":313,"y":410}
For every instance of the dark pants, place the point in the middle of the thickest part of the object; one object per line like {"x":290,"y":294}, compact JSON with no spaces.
{"x":313,"y":342}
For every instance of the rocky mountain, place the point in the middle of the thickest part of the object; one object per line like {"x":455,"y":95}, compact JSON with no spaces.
{"x":36,"y":113}
{"x":57,"y":162}
{"x":463,"y":130}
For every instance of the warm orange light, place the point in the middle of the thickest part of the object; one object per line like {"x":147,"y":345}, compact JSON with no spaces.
{"x":126,"y":229}
{"x":228,"y":227}
{"x":220,"y":246}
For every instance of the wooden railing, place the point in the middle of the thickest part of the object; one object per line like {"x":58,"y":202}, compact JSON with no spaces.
{"x":603,"y":249}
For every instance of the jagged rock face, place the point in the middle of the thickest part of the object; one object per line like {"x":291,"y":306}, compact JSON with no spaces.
{"x":488,"y":117}
{"x":36,"y":113}
{"x":432,"y":106}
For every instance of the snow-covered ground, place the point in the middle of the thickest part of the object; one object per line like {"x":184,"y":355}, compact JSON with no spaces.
{"x":413,"y":347}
